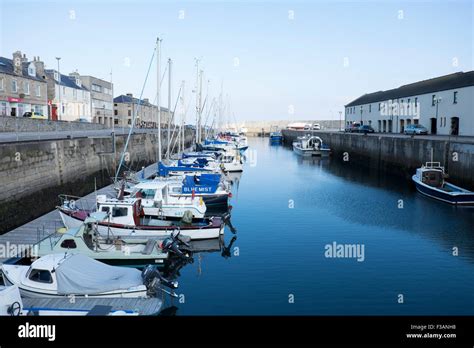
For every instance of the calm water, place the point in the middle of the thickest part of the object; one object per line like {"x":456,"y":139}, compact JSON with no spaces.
{"x":281,"y":249}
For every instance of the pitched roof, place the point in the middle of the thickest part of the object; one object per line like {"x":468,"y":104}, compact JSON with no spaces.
{"x":67,"y":81}
{"x":6,"y":67}
{"x":442,"y":83}
{"x":131,"y":100}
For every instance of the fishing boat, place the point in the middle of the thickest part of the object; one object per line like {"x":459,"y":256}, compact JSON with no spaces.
{"x":12,"y":304}
{"x":310,"y":145}
{"x":125,"y":217}
{"x":87,"y":241}
{"x":176,"y":170}
{"x":65,"y":274}
{"x":276,"y":137}
{"x":430,"y":181}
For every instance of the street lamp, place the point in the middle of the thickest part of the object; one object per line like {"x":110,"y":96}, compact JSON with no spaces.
{"x":59,"y":91}
{"x":361,"y":115}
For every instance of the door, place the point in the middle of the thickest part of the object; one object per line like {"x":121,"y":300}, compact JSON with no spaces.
{"x":402,"y":125}
{"x":454,"y":125}
{"x":54,"y":113}
{"x":433,"y":125}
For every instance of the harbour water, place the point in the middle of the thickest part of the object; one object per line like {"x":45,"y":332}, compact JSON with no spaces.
{"x":287,"y":212}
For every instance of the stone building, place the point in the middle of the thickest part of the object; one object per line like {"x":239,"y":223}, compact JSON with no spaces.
{"x":69,"y":100}
{"x":125,"y":107}
{"x":444,"y":105}
{"x":22,"y":86}
{"x":101,"y":99}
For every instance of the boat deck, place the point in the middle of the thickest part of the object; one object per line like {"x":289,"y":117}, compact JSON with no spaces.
{"x":144,"y":306}
{"x":23,"y":237}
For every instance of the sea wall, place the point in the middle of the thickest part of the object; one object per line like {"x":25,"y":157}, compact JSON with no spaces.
{"x":33,"y":174}
{"x":400,"y":155}
{"x":25,"y":124}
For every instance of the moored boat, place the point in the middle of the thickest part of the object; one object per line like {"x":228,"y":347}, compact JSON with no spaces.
{"x":310,"y":145}
{"x":430,"y":181}
{"x":63,"y":275}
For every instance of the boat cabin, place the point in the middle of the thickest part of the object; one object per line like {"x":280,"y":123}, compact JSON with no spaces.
{"x":432,"y":174}
{"x":127,"y":211}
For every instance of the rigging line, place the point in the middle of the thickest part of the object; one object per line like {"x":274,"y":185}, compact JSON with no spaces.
{"x":172,"y":119}
{"x":135,"y":116}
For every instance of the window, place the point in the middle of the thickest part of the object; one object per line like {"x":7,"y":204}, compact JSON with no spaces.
{"x":433,"y":100}
{"x":416,"y":102}
{"x":129,"y":121}
{"x":14,"y":86}
{"x":105,"y":209}
{"x":2,"y":84}
{"x":380,"y":104}
{"x":3,"y":109}
{"x":129,"y":113}
{"x":115,"y":121}
{"x":69,"y":244}
{"x":26,"y":87}
{"x":455,"y":97}
{"x":370,"y":107}
{"x":41,"y":276}
{"x":119,"y":211}
{"x":38,"y":90}
{"x":38,"y":109}
{"x":116,"y":112}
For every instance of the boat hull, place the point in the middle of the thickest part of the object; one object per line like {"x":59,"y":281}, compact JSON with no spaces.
{"x":207,"y":232}
{"x":456,"y":198}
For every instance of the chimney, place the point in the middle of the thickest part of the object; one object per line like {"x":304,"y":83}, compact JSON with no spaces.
{"x":24,"y":59}
{"x":130,"y":95}
{"x":39,"y":67}
{"x":17,"y":63}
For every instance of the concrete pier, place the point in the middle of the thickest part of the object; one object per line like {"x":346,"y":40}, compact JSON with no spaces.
{"x":401,"y":154}
{"x":35,"y":173}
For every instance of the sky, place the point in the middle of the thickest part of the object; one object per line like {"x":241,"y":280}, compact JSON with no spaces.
{"x":276,"y":60}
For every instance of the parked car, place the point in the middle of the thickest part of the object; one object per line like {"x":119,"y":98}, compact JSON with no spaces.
{"x":316,"y":126}
{"x":353,"y":127}
{"x":366,"y":129}
{"x":35,"y":115}
{"x":415,"y":129}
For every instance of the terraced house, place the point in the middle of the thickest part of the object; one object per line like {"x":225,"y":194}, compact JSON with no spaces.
{"x":444,"y":105}
{"x":69,"y":99}
{"x":22,"y":86}
{"x":126,"y":106}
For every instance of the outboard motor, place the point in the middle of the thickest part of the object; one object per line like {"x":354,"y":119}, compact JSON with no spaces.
{"x":153,"y":280}
{"x":175,"y":244}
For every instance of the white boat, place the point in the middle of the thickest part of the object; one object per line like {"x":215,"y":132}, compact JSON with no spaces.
{"x":87,"y":240}
{"x":125,"y":217}
{"x":62,"y":275}
{"x":231,"y":162}
{"x":310,"y":145}
{"x":158,"y":200}
{"x":12,"y":304}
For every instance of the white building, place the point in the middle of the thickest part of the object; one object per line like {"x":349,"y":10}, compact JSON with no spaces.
{"x":69,"y":100}
{"x":444,"y":105}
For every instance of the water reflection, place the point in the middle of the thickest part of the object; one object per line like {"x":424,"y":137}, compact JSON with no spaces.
{"x":367,"y":196}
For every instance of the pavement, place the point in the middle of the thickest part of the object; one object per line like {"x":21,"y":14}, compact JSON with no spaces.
{"x":10,"y":137}
{"x":459,"y":139}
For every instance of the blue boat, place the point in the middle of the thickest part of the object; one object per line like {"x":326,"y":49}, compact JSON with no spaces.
{"x":164,"y":170}
{"x":430,"y":181}
{"x":276,"y":137}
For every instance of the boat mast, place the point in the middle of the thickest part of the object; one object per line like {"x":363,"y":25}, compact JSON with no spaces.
{"x":158,"y":96}
{"x":183,"y":114}
{"x":197,"y":99}
{"x":169,"y":109}
{"x":200,"y":104}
